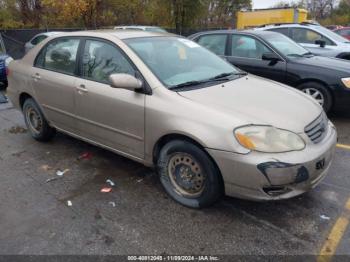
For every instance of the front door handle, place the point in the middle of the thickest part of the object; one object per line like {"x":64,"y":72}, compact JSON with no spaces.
{"x":36,"y":77}
{"x":82,"y":89}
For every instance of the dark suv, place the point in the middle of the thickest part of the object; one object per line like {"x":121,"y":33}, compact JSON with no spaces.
{"x":277,"y":57}
{"x":4,"y":62}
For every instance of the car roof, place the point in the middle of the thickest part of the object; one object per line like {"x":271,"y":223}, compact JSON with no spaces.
{"x":121,"y":34}
{"x":288,"y":25}
{"x":136,"y":26}
{"x":231,"y":31}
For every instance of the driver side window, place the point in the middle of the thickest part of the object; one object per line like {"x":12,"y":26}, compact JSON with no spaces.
{"x":307,"y":36}
{"x":101,"y":59}
{"x":248,"y":47}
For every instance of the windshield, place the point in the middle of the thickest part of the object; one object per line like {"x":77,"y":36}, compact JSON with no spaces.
{"x":332,"y":35}
{"x":176,"y":61}
{"x":285,"y":45}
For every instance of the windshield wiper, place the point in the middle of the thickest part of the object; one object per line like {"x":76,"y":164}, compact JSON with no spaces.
{"x":186,"y":84}
{"x":295,"y":55}
{"x":225,"y":76}
{"x":308,"y":54}
{"x":221,"y":77}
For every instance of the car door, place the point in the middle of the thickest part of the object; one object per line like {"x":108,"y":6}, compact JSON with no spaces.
{"x":53,"y":80}
{"x":109,"y":116}
{"x":307,"y":37}
{"x":246,"y":53}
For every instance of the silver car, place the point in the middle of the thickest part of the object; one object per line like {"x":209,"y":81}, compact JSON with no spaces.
{"x":316,"y":38}
{"x":37,"y":39}
{"x":168,"y":103}
{"x":141,"y":27}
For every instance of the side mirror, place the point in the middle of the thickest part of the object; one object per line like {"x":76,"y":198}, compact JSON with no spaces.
{"x":321,"y":43}
{"x":271,"y":57}
{"x":125,"y":81}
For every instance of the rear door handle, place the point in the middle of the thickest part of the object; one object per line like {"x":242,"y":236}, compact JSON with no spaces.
{"x":36,"y":76}
{"x":82,"y":89}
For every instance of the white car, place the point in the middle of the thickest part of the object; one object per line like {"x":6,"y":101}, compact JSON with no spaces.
{"x":37,"y":39}
{"x":316,"y":38}
{"x":142,"y":28}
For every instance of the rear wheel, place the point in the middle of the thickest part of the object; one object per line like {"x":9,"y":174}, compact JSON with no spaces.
{"x":188,"y":174}
{"x":320,"y":93}
{"x":36,"y":122}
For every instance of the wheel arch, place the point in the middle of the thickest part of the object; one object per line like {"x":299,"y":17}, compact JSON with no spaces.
{"x":162,"y":141}
{"x":312,"y":80}
{"x":23,"y":97}
{"x":324,"y":84}
{"x":344,"y":55}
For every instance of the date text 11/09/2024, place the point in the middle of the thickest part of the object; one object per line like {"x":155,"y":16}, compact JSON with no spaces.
{"x":173,"y":258}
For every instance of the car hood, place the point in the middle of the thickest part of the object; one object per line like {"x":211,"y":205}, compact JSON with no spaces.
{"x":254,"y":100}
{"x":325,"y":62}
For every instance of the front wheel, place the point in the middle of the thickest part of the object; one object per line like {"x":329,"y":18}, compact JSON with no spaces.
{"x":36,"y":122}
{"x":188,"y":174}
{"x":320,"y":93}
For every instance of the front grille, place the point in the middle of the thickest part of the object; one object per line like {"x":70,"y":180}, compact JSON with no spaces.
{"x":317,"y":129}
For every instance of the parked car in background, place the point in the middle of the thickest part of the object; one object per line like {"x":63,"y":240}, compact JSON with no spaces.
{"x":37,"y":39}
{"x":277,"y":57}
{"x":333,"y":27}
{"x":344,"y":32}
{"x":317,"y":39}
{"x":142,"y":28}
{"x":167,"y":102}
{"x":4,"y":62}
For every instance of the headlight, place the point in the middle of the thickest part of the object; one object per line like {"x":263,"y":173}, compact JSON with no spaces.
{"x":346,"y":81}
{"x":268,"y":139}
{"x":8,"y":61}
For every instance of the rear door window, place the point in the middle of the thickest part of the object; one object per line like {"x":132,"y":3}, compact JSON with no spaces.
{"x":215,"y":43}
{"x":59,"y":55}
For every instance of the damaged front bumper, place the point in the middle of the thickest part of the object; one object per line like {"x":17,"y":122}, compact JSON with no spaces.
{"x":265,"y":176}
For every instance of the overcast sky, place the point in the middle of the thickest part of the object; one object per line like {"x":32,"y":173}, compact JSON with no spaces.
{"x":265,"y":3}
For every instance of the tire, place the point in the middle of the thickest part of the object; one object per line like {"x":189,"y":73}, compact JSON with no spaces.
{"x":324,"y":92}
{"x":36,"y":122}
{"x":205,"y":179}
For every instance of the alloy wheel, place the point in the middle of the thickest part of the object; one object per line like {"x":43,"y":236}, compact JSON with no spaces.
{"x":316,"y":94}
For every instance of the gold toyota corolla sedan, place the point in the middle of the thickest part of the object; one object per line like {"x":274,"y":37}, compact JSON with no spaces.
{"x":164,"y":101}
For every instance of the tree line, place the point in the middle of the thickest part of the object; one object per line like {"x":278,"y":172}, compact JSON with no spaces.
{"x":327,"y":12}
{"x":178,"y":14}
